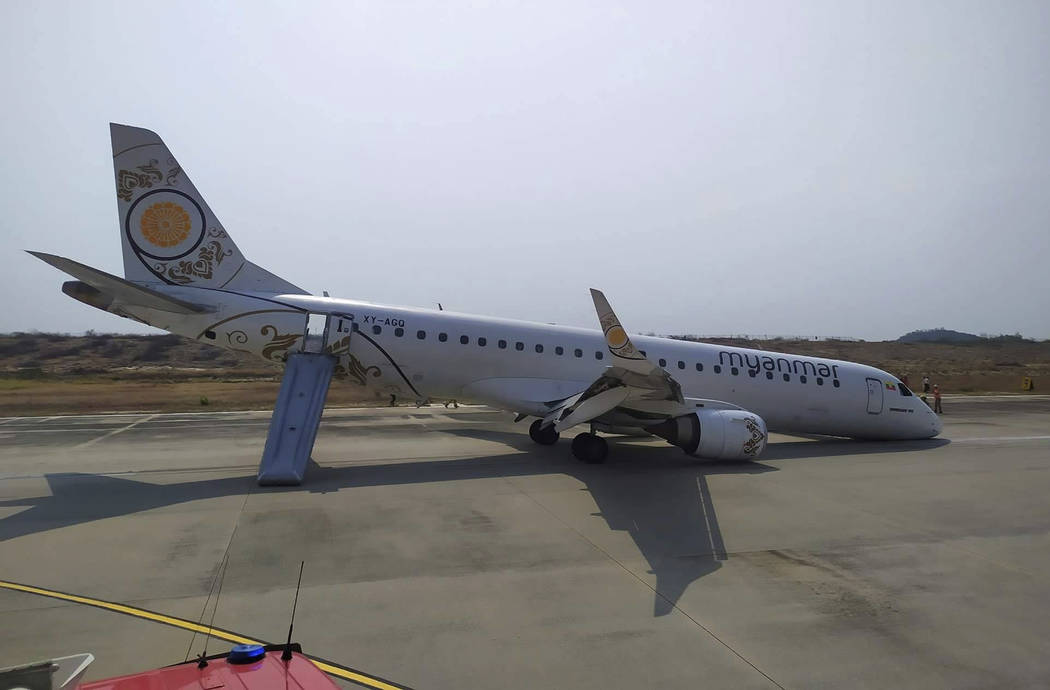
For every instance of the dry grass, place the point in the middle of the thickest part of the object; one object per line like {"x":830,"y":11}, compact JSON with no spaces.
{"x":87,"y":396}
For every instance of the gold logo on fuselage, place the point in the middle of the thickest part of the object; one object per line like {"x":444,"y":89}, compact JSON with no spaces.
{"x":165,"y":224}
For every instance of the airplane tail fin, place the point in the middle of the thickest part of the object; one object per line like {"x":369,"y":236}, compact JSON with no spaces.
{"x":168,"y":232}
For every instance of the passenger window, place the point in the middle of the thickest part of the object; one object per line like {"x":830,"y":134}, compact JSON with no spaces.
{"x":399,"y":332}
{"x":442,"y":337}
{"x":578,"y":352}
{"x":718,"y":368}
{"x":820,"y":381}
{"x":482,"y":342}
{"x":769,"y":375}
{"x":502,"y":344}
{"x":802,"y":379}
{"x":787,"y":377}
{"x":559,"y":350}
{"x":463,"y":340}
{"x":354,"y":327}
{"x":699,"y":366}
{"x":421,"y":335}
{"x":752,"y":373}
{"x":599,"y":354}
{"x":539,"y":348}
{"x":519,"y":346}
{"x":734,"y":371}
{"x":835,"y":383}
{"x":681,"y":364}
{"x":377,"y":329}
{"x":663,"y":362}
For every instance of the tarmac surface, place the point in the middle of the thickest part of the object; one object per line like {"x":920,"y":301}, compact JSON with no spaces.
{"x":444,"y":550}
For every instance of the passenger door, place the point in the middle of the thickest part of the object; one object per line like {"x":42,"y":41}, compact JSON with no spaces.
{"x":874,"y":396}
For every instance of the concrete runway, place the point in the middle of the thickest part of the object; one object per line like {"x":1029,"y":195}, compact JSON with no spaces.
{"x":444,"y":550}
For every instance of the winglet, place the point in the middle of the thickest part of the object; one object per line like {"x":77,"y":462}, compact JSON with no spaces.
{"x":620,"y":345}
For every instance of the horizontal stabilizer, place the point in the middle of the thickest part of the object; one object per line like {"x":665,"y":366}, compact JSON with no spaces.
{"x":119,"y":289}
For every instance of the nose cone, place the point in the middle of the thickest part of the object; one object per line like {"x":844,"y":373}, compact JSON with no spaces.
{"x":929,"y":422}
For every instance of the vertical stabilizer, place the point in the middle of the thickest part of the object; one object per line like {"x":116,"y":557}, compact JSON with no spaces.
{"x":168,"y":232}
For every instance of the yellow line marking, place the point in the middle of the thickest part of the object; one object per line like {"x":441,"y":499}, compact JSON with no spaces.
{"x":131,"y":611}
{"x":350,"y":675}
{"x":190,"y":625}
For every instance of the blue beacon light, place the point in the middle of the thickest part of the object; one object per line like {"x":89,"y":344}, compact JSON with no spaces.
{"x":246,"y":654}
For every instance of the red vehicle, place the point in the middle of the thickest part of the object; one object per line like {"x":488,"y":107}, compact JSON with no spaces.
{"x":245,"y":667}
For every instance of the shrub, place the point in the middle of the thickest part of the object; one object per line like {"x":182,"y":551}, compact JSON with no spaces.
{"x":157,"y":347}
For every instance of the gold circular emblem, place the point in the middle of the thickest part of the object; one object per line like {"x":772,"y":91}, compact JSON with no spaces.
{"x":165,"y":224}
{"x":616,"y":337}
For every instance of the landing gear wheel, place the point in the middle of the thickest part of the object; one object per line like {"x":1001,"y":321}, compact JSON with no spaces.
{"x":543,"y":436}
{"x":590,"y":448}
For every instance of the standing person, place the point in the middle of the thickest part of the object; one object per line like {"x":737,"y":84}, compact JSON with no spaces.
{"x":937,"y":399}
{"x":925,"y":388}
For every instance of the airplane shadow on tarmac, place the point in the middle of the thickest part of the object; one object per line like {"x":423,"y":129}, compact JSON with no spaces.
{"x":661,"y":497}
{"x":656,"y":494}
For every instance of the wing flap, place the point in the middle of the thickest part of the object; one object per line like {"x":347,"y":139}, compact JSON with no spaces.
{"x":593,"y":407}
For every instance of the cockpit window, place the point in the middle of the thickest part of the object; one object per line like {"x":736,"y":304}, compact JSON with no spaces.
{"x":903,"y":389}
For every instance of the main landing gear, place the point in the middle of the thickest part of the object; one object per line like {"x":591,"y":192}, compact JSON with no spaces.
{"x":586,"y":447}
{"x":590,"y":448}
{"x":543,"y":436}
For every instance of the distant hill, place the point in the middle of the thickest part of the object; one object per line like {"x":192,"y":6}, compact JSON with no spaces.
{"x":939,"y":335}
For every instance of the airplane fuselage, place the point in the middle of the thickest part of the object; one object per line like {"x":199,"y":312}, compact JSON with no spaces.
{"x":523,"y":366}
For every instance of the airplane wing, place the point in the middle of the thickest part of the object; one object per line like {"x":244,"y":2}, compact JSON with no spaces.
{"x":113,"y":287}
{"x":633,"y":385}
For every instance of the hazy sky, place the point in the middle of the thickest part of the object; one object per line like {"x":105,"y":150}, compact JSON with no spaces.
{"x":835,"y":168}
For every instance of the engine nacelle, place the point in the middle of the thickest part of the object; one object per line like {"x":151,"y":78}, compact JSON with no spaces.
{"x":716,"y":434}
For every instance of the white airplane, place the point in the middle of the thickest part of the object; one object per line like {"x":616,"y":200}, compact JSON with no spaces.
{"x":184,"y":274}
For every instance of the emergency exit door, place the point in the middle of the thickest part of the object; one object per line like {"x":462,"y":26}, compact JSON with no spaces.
{"x":874,"y":396}
{"x":315,"y":337}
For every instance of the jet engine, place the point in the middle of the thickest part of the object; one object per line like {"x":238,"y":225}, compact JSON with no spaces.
{"x":715,"y":434}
